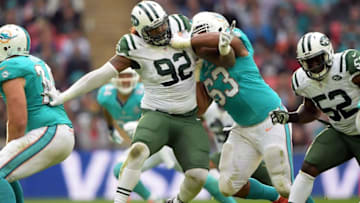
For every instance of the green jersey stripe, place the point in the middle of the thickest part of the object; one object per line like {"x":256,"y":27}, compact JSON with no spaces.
{"x":132,"y":41}
{"x":185,"y":22}
{"x":123,"y":46}
{"x":178,"y":22}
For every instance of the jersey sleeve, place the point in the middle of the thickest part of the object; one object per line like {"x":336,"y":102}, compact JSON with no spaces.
{"x":183,"y":23}
{"x":125,"y":45}
{"x":352,"y":61}
{"x":245,"y":40}
{"x":11,"y":69}
{"x":295,"y":83}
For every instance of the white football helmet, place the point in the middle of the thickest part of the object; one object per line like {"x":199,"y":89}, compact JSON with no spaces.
{"x":208,"y":22}
{"x":14,"y":40}
{"x":126,"y":81}
{"x":151,"y":22}
{"x":315,"y":54}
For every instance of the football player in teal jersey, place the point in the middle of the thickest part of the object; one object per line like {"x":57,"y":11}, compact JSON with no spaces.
{"x":120,"y":100}
{"x":329,"y":83}
{"x":230,"y":76}
{"x":38,"y":135}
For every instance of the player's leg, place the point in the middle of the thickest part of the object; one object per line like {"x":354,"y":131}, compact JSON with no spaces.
{"x":191,"y":147}
{"x":18,"y":191}
{"x":327,"y":151}
{"x":140,"y":188}
{"x":37,"y":150}
{"x":276,"y":147}
{"x":212,"y":186}
{"x":7,"y":194}
{"x":255,"y":189}
{"x":238,"y":163}
{"x":150,"y":136}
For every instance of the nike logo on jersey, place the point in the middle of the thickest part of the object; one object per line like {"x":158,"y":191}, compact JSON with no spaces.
{"x":2,"y":67}
{"x":268,"y":129}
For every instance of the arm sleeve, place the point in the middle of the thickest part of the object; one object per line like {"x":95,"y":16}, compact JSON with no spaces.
{"x":90,"y":81}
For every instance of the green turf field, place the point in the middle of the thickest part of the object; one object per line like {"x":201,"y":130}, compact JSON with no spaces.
{"x":317,"y":200}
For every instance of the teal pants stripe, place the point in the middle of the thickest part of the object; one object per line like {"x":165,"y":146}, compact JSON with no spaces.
{"x":289,"y":147}
{"x":289,"y":150}
{"x":29,"y":152}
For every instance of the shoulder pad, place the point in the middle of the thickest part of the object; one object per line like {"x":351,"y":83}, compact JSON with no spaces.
{"x":351,"y":59}
{"x":182,"y":22}
{"x":126,"y":44}
{"x":297,"y":81}
{"x":11,"y":68}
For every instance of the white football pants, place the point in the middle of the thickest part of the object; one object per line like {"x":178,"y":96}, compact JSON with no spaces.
{"x":35,"y":151}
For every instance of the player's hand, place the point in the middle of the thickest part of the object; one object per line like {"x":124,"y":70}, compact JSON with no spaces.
{"x":179,"y":41}
{"x":225,"y":39}
{"x":115,"y":136}
{"x":56,"y":98}
{"x":279,"y":116}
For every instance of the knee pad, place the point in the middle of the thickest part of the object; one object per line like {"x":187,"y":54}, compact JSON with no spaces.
{"x":279,"y":169}
{"x":138,"y":153}
{"x":226,"y":157}
{"x":226,"y":186}
{"x":197,"y":175}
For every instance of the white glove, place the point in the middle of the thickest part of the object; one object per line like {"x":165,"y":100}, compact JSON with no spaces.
{"x":115,"y":136}
{"x":56,"y":97}
{"x":279,"y":116}
{"x":130,"y":127}
{"x":179,"y":41}
{"x":225,"y":38}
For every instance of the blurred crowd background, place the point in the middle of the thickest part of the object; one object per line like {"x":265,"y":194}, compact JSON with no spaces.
{"x":60,"y":35}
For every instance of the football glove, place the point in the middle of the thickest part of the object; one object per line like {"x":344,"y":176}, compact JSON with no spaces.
{"x":225,"y":38}
{"x":179,"y":41}
{"x":55,"y":95}
{"x":279,"y":116}
{"x":114,"y":136}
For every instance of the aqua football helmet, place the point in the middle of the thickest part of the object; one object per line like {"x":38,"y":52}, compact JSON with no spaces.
{"x":14,"y":40}
{"x":126,"y":81}
{"x":208,"y":22}
{"x":151,"y":22}
{"x":315,"y":54}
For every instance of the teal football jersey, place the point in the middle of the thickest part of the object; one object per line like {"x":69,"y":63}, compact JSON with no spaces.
{"x":240,"y":89}
{"x":38,"y":79}
{"x":122,"y":113}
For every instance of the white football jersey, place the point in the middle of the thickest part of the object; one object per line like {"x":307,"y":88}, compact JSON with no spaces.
{"x":336,"y":95}
{"x":167,"y":73}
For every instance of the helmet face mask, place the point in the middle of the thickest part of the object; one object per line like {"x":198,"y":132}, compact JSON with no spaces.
{"x":126,"y":81}
{"x":208,"y":22}
{"x":315,"y":55}
{"x":151,"y":23}
{"x":14,"y":40}
{"x":157,"y":35}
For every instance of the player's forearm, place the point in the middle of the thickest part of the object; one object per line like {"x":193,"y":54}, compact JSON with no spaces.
{"x":303,"y":115}
{"x":90,"y":81}
{"x":210,"y":40}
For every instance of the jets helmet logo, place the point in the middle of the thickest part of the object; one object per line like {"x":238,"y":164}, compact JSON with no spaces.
{"x":324,"y":41}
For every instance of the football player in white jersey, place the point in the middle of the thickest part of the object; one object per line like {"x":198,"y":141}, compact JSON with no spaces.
{"x":169,"y":102}
{"x":330,"y":84}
